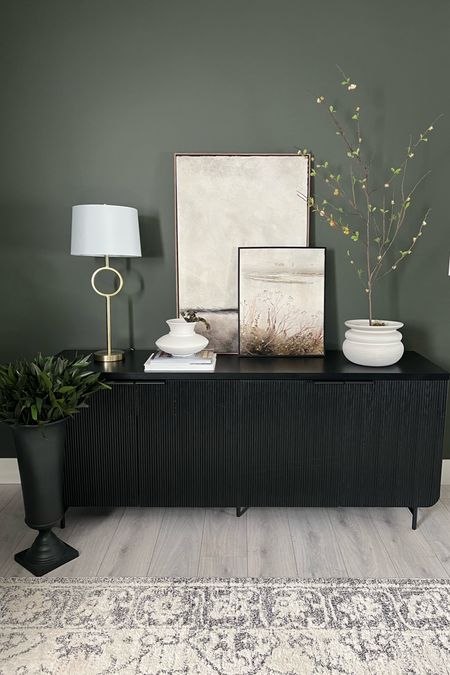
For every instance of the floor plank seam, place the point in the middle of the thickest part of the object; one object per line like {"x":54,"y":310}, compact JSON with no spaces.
{"x":156,"y":540}
{"x":383,"y":545}
{"x":201,"y":542}
{"x":394,"y":565}
{"x":246,"y":537}
{"x":333,"y":529}
{"x":8,"y":501}
{"x":292,"y":542}
{"x":111,"y":541}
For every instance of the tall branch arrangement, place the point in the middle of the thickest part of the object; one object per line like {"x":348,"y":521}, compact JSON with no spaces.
{"x":373,"y":216}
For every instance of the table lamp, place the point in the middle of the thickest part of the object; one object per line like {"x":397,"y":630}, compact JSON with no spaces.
{"x":109,"y":231}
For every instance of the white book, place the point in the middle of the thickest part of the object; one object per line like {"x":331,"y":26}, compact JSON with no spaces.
{"x":160,"y":361}
{"x":204,"y":356}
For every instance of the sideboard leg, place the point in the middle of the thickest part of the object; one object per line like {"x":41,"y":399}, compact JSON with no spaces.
{"x":240,"y":510}
{"x":414,"y":510}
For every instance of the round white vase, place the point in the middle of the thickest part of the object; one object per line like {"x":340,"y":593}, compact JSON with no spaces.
{"x":368,"y":345}
{"x":182,"y":339}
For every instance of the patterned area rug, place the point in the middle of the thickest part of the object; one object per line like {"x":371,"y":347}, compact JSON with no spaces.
{"x":224,"y":626}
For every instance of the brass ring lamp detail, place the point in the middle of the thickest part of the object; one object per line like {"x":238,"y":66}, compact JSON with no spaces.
{"x":109,"y":355}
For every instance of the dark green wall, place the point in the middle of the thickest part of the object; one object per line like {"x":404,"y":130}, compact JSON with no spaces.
{"x":98,"y":94}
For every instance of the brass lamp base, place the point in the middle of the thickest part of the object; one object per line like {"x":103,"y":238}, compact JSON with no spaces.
{"x":108,"y":355}
{"x":114,"y":355}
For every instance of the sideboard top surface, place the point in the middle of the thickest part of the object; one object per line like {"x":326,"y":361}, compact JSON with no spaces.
{"x":331,"y":367}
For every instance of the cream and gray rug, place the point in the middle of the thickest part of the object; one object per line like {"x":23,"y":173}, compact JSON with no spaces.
{"x":224,"y":626}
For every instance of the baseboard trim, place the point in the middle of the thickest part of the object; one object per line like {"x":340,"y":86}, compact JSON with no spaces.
{"x":445,"y":478}
{"x":9,"y":471}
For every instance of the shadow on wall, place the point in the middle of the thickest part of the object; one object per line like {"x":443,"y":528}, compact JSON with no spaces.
{"x":391,"y":292}
{"x":331,"y":319}
{"x":151,"y":240}
{"x":152,"y":247}
{"x":331,"y":315}
{"x":417,"y":336}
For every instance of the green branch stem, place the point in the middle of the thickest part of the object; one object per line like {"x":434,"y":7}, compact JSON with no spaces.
{"x":405,"y":254}
{"x":381,"y":226}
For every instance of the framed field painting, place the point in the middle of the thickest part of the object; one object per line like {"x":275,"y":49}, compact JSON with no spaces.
{"x":281,"y":301}
{"x":222,"y":202}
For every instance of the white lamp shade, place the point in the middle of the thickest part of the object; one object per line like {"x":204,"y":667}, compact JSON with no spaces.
{"x":102,"y":229}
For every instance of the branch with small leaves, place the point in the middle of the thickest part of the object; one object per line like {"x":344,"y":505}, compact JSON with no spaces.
{"x":352,"y":205}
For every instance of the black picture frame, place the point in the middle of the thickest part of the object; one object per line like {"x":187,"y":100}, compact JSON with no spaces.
{"x":308,"y":248}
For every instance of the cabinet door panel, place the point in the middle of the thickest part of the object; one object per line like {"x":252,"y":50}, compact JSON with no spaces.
{"x":407,"y":429}
{"x":342,"y":443}
{"x":101,"y":454}
{"x":188,"y":438}
{"x":304,"y":441}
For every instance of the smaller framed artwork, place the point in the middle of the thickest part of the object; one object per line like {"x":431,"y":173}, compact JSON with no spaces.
{"x":281,"y":301}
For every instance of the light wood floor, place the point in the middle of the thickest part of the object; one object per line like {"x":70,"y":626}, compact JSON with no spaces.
{"x":263,"y":543}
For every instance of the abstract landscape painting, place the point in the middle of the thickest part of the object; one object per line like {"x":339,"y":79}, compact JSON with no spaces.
{"x":227,"y":201}
{"x":281,"y":301}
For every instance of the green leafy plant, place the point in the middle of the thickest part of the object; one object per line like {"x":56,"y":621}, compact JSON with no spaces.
{"x":369,"y":214}
{"x":45,"y":389}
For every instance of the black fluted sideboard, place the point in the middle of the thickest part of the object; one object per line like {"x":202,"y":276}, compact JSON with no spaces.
{"x":261,"y":432}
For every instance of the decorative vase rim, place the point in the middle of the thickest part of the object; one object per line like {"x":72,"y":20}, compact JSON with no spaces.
{"x":37,"y":426}
{"x":180,"y":321}
{"x":363,"y":324}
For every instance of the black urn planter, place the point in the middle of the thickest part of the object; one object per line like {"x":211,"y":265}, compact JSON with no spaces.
{"x":40,"y":455}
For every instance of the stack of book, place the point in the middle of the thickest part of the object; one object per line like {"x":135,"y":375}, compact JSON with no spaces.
{"x":204,"y":361}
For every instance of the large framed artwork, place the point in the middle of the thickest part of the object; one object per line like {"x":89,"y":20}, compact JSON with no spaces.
{"x":281,"y":301}
{"x":222,"y":202}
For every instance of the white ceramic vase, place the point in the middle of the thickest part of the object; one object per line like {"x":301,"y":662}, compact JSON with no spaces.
{"x":373,"y":345}
{"x":182,"y":339}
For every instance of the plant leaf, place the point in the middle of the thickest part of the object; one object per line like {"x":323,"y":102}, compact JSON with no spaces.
{"x":46,"y":389}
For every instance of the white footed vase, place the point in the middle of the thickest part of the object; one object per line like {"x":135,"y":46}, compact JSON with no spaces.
{"x":379,"y":345}
{"x":182,"y":339}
